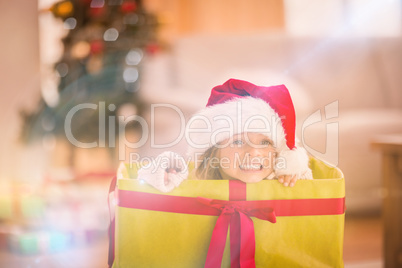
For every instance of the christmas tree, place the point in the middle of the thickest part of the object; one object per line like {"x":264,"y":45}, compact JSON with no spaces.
{"x":101,"y":64}
{"x":104,"y":49}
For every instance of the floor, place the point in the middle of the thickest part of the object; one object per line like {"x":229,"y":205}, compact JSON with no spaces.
{"x":362,"y":249}
{"x":363,"y":242}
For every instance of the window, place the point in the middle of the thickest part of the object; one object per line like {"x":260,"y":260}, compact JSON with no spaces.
{"x":348,"y":18}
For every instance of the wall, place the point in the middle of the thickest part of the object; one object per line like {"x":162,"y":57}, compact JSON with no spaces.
{"x":19,"y":68}
{"x":183,"y":17}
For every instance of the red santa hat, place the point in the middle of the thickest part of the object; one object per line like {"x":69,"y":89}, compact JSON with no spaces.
{"x":237,"y":107}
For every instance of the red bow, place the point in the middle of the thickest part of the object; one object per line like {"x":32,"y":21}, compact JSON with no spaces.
{"x":242,"y":237}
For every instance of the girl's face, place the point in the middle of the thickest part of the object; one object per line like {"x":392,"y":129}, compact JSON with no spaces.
{"x":248,"y":157}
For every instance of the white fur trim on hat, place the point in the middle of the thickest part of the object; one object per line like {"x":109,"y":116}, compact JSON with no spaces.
{"x":219,"y":122}
{"x":293,"y":162}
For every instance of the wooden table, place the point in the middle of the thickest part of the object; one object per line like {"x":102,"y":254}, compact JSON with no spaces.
{"x":391,"y":148}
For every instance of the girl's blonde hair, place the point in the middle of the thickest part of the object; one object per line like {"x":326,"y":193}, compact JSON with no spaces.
{"x":208,"y":169}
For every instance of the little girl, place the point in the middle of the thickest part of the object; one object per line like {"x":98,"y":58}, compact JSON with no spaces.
{"x":246,"y":132}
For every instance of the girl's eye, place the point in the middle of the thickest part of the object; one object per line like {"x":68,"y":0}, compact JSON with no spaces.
{"x":266,"y":142}
{"x":238,"y":142}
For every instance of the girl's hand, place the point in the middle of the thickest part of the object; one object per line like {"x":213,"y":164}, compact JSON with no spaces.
{"x":290,"y":180}
{"x":287,"y":180}
{"x":292,"y":165}
{"x":165,"y":172}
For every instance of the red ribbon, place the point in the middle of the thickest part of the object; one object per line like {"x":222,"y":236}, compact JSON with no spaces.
{"x":237,"y":214}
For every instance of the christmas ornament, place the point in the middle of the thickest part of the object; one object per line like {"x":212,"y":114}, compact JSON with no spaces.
{"x":97,"y":47}
{"x":128,"y":7}
{"x":62,"y":9}
{"x":80,"y":50}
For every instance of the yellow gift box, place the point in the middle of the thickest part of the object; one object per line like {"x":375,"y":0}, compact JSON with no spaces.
{"x":178,"y":229}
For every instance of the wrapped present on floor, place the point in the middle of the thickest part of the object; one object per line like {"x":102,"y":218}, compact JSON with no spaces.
{"x":227,"y":223}
{"x":37,"y":242}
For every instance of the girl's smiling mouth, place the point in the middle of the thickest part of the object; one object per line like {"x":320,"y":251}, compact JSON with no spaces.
{"x":250,"y":167}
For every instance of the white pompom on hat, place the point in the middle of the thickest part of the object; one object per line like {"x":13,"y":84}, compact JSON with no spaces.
{"x":237,"y":107}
